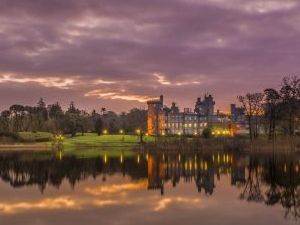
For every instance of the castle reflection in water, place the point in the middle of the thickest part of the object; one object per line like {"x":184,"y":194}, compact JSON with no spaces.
{"x":267,"y":178}
{"x":158,"y":169}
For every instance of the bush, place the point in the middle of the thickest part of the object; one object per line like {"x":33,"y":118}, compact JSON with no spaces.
{"x":206,"y":133}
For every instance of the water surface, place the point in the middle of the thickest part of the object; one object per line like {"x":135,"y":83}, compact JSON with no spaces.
{"x":150,"y":188}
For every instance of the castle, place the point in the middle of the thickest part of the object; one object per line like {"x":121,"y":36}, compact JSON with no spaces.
{"x":163,"y":120}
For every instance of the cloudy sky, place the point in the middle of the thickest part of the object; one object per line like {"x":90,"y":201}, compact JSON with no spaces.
{"x":118,"y":54}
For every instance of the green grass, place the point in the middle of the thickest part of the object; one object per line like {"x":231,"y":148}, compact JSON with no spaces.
{"x":88,"y":145}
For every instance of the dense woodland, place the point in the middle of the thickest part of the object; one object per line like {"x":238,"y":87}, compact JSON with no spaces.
{"x":52,"y":118}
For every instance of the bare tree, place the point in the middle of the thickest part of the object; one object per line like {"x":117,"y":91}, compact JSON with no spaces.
{"x":252,"y":104}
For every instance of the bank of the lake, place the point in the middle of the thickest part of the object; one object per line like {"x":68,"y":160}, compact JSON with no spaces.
{"x":91,"y":143}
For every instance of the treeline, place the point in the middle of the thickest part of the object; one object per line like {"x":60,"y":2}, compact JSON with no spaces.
{"x":52,"y":118}
{"x":274,"y":111}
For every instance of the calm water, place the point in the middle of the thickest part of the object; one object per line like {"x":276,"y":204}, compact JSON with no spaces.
{"x":146,"y":188}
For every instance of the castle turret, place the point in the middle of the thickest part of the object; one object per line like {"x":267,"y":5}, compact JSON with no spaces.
{"x":155,"y":118}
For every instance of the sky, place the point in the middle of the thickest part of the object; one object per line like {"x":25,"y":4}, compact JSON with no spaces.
{"x":119,"y":54}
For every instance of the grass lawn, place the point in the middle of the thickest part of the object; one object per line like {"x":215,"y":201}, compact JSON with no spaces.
{"x":91,"y":139}
{"x":91,"y":144}
{"x":88,"y":145}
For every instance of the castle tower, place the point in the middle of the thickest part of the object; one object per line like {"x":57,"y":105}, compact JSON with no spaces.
{"x":155,"y":118}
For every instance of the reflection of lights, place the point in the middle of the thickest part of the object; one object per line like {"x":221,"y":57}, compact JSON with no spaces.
{"x":138,"y":159}
{"x":285,"y":168}
{"x":297,"y":168}
{"x":147,"y":156}
{"x":121,"y":158}
{"x":179,"y":157}
{"x":105,"y":158}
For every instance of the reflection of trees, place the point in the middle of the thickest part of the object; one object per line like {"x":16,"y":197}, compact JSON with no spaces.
{"x":50,"y":171}
{"x":252,"y":190}
{"x":284,"y":180}
{"x":279,"y":176}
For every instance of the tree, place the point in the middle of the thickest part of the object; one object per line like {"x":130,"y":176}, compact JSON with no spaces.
{"x":252,"y":104}
{"x":290,"y":93}
{"x":272,"y":110}
{"x":56,"y":116}
{"x":18,"y":113}
{"x":98,"y":126}
{"x":4,"y":120}
{"x":42,"y":114}
{"x":72,"y":120}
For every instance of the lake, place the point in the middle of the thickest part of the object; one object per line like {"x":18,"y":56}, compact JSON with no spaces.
{"x":149,"y":188}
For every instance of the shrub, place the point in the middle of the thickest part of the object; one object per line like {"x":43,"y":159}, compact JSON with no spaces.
{"x":206,"y":133}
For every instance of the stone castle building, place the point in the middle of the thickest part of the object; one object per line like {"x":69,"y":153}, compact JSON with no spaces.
{"x":164,"y":120}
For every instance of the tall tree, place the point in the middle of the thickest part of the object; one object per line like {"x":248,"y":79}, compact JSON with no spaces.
{"x":56,"y":116}
{"x":4,"y":121}
{"x":290,"y":93}
{"x":252,"y":104}
{"x":272,"y":110}
{"x":42,"y":114}
{"x":18,"y":113}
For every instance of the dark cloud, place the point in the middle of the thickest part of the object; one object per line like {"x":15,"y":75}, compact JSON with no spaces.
{"x":224,"y":47}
